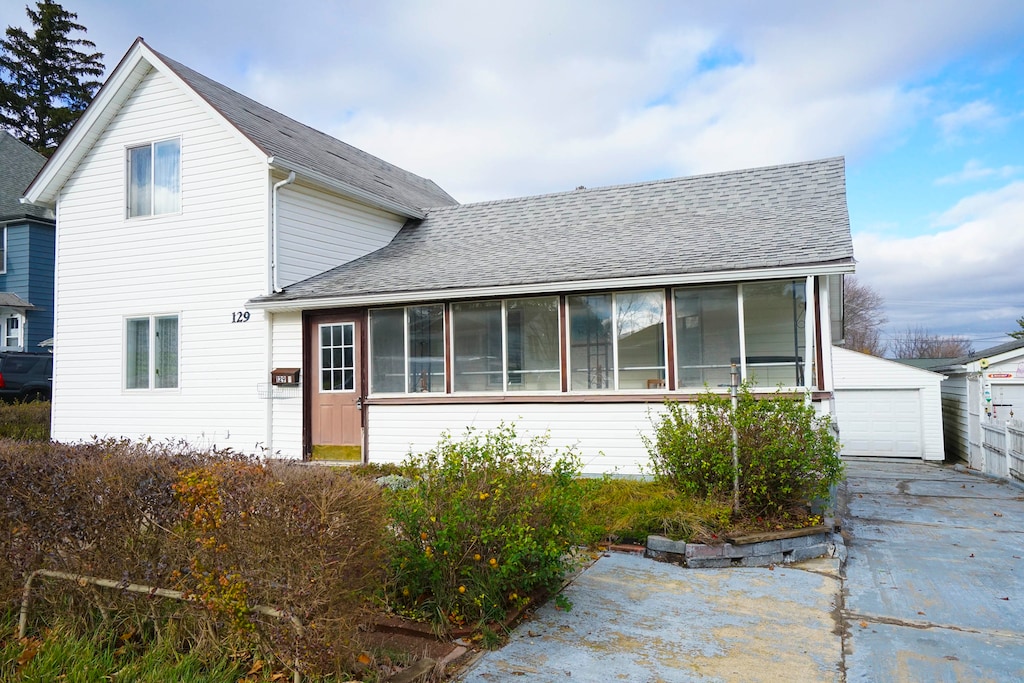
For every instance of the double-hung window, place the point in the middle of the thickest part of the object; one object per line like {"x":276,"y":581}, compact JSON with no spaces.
{"x":151,"y":352}
{"x":154,"y":178}
{"x":3,"y":250}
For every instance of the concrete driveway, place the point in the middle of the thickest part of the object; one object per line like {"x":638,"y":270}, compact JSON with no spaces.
{"x":933,"y":590}
{"x":934,"y":580}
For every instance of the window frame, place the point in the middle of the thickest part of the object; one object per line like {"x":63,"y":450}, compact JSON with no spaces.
{"x":3,"y":250}
{"x":151,"y":184}
{"x":352,"y":368}
{"x":153,"y":355}
{"x":809,"y":338}
{"x":614,"y":341}
{"x":19,"y":334}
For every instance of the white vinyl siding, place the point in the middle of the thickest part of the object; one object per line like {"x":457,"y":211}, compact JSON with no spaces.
{"x":205,"y":261}
{"x":884,"y":408}
{"x":606,"y":435}
{"x":286,"y":406}
{"x":318,"y":231}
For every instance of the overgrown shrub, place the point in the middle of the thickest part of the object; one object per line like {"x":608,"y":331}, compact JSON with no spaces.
{"x":228,"y":530}
{"x":787,"y":454}
{"x":488,"y":523}
{"x":25,"y":421}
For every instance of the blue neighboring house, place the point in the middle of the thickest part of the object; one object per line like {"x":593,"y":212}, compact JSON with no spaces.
{"x":27,"y":240}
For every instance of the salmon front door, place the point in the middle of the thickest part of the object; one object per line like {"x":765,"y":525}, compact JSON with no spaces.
{"x":336,"y":420}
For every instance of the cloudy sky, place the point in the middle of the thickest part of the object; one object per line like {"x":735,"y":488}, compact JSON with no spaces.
{"x":924,"y":99}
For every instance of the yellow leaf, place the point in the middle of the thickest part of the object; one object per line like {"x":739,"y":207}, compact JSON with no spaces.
{"x":257,"y":666}
{"x":365,"y":659}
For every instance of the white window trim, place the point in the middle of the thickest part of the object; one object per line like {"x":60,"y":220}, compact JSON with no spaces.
{"x":128,"y":179}
{"x":151,"y":382}
{"x":320,"y":362}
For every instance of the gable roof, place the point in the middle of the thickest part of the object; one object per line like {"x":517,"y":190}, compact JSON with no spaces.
{"x":993,"y":353}
{"x":662,"y":232}
{"x":19,"y":164}
{"x":296,"y":146}
{"x":285,"y":143}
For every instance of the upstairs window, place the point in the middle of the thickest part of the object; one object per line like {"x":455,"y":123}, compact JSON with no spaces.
{"x":154,"y":178}
{"x":3,"y":250}
{"x":151,"y":352}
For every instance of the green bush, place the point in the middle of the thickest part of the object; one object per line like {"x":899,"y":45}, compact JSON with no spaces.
{"x":788,"y":456}
{"x":488,"y":523}
{"x":25,"y":421}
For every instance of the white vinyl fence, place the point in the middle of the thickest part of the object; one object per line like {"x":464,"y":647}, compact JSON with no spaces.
{"x":1003,"y":449}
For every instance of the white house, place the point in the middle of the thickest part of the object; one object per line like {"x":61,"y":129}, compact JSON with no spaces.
{"x":230,"y":276}
{"x":983,"y":409}
{"x":885,"y":408}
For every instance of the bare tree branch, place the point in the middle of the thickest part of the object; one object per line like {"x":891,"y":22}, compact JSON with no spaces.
{"x":864,"y":316}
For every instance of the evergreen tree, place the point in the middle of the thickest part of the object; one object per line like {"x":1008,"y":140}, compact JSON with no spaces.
{"x":1018,"y":334}
{"x":46,"y":79}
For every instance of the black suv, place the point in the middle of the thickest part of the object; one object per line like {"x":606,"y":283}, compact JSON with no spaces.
{"x":25,"y":376}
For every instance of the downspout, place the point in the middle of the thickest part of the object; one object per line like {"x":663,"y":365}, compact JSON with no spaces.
{"x":273,"y":230}
{"x":275,"y":288}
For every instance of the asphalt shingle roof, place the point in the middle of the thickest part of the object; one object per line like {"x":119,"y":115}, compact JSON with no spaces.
{"x":19,"y":164}
{"x":776,"y":216}
{"x":999,"y":349}
{"x":285,"y":138}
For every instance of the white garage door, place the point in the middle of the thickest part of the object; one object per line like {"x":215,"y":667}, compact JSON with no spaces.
{"x":880,"y":422}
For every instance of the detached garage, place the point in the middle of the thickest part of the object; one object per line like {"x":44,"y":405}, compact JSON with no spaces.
{"x":886,"y":409}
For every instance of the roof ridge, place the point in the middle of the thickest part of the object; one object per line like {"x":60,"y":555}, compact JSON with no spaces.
{"x":641,"y":183}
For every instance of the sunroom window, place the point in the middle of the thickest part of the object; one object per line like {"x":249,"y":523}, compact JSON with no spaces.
{"x":407,"y":349}
{"x":506,"y":345}
{"x":708,"y":339}
{"x":773,"y":330}
{"x":617,"y":341}
{"x":707,"y":335}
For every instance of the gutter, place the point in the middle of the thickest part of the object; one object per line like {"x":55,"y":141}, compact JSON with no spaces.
{"x":341,"y":186}
{"x":547,"y":287}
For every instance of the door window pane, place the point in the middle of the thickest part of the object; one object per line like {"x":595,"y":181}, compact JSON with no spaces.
{"x":532,"y":341}
{"x":773,"y":325}
{"x":707,"y":331}
{"x":476,"y":346}
{"x":640,"y":331}
{"x":426,"y":348}
{"x":337,"y":356}
{"x":590,"y":342}
{"x":387,"y":350}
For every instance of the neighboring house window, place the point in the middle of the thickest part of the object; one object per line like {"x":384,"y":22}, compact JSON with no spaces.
{"x":3,"y":249}
{"x":407,"y":349}
{"x":709,"y":339}
{"x":617,"y":341}
{"x":12,"y":332}
{"x":508,"y":345}
{"x":151,"y":352}
{"x":154,"y":178}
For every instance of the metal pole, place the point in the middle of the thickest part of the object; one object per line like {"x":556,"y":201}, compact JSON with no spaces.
{"x":734,"y":382}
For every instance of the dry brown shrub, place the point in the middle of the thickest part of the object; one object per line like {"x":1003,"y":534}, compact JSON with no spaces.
{"x":305,"y":540}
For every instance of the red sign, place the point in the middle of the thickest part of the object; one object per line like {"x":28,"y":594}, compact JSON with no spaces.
{"x":1000,"y":375}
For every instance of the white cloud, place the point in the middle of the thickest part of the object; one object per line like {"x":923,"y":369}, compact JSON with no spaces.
{"x":966,"y":276}
{"x":974,"y":170}
{"x":972,"y":115}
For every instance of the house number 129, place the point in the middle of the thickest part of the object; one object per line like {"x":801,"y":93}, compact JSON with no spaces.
{"x":240,"y":317}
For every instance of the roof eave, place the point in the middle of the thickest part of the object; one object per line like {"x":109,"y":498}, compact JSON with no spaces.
{"x":364,"y":196}
{"x":51,"y":177}
{"x":536,"y":289}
